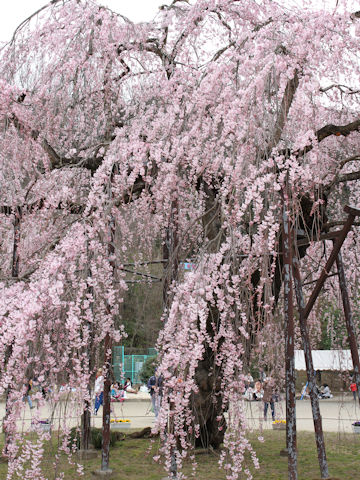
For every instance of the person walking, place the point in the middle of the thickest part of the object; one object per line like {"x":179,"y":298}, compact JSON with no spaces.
{"x":268,"y":397}
{"x":99,"y":390}
{"x":155,"y":389}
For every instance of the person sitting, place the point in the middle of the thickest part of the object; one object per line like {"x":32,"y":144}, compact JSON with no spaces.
{"x":117,"y":393}
{"x":128,"y":386}
{"x":248,"y":381}
{"x":248,"y":394}
{"x":325,"y":392}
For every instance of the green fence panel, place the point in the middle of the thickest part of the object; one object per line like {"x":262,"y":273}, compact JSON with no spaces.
{"x":118,"y":362}
{"x":138,"y":362}
{"x":125,"y":366}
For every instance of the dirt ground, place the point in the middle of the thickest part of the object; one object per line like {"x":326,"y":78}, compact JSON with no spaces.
{"x":337,"y":413}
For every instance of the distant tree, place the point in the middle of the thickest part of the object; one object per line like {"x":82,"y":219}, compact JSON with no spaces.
{"x":148,"y":368}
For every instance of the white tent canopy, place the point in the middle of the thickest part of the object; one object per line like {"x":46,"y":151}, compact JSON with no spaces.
{"x":325,"y":360}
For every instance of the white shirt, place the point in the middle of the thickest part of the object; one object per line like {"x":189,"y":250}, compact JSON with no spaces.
{"x":99,"y":385}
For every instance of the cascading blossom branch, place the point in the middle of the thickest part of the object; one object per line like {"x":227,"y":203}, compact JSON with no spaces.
{"x":192,"y":329}
{"x":52,"y":329}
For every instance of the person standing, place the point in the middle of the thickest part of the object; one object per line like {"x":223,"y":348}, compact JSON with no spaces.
{"x":27,"y":394}
{"x":268,"y":397}
{"x":99,"y":390}
{"x":353,"y":388}
{"x":155,"y":389}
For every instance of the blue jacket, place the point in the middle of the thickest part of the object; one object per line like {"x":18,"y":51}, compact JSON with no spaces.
{"x":155,"y":382}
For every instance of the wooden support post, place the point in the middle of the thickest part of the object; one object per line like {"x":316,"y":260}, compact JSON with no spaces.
{"x":105,"y":454}
{"x":352,"y":213}
{"x":304,"y":312}
{"x":349,"y":322}
{"x":319,"y":436}
{"x":289,"y":348}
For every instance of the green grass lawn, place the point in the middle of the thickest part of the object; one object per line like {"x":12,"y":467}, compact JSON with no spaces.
{"x":130,"y":461}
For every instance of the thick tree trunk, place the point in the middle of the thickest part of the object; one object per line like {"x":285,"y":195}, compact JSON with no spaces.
{"x":85,"y":428}
{"x":208,"y":402}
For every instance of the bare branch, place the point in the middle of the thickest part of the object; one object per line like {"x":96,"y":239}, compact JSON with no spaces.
{"x":173,"y":4}
{"x":141,"y":274}
{"x":28,"y":19}
{"x":348,"y":177}
{"x":342,"y":88}
{"x":338,"y":130}
{"x":337,"y":177}
{"x":348,"y":160}
{"x":327,"y":131}
{"x":221,"y":51}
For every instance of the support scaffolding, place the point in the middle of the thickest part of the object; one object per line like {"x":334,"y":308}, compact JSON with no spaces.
{"x":291,"y":263}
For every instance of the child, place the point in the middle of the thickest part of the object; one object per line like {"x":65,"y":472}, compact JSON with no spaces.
{"x":353,"y":388}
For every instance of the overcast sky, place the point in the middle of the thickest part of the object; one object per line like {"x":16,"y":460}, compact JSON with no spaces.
{"x":14,"y":12}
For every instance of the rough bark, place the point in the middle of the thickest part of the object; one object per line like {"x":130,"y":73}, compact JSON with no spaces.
{"x":207,"y":404}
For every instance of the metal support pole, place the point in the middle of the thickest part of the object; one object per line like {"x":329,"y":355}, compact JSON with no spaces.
{"x":313,"y":391}
{"x":289,"y":349}
{"x":349,"y":322}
